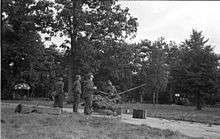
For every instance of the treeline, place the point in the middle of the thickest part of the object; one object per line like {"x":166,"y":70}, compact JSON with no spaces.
{"x":96,"y":34}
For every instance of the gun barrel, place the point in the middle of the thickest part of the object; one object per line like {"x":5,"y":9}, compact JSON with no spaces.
{"x":132,"y":89}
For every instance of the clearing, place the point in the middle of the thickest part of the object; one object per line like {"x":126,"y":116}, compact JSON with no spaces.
{"x":46,"y":124}
{"x":207,"y":115}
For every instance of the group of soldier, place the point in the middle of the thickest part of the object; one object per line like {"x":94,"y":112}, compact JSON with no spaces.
{"x":88,"y":88}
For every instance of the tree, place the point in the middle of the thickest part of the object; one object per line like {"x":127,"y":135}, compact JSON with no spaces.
{"x":152,"y":67}
{"x":217,"y":95}
{"x":172,"y":59}
{"x":116,"y":64}
{"x":195,"y":73}
{"x":157,"y":70}
{"x":89,"y":27}
{"x":22,"y":48}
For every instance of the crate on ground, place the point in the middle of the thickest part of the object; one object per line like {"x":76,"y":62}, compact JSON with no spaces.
{"x":138,"y":113}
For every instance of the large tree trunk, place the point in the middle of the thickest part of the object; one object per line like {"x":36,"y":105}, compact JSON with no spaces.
{"x":198,"y":106}
{"x":73,"y":35}
{"x":69,"y":79}
{"x":170,"y":96}
{"x":141,"y":97}
{"x":157,"y":96}
{"x":154,"y":96}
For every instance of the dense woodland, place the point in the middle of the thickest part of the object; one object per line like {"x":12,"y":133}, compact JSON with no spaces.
{"x":96,"y":35}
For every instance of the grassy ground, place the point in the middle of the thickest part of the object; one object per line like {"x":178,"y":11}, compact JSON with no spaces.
{"x":174,"y":112}
{"x":46,"y":124}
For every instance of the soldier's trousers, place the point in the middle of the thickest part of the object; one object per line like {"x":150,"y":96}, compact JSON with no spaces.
{"x":88,"y":105}
{"x":76,"y":102}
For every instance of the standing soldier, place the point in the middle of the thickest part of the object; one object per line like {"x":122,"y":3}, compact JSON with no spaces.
{"x":77,"y":92}
{"x":88,"y":93}
{"x":59,"y":94}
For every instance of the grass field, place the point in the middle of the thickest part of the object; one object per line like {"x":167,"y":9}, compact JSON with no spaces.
{"x":47,"y":125}
{"x":173,"y":112}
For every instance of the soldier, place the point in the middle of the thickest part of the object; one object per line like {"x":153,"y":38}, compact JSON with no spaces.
{"x":88,"y":93}
{"x":111,"y":90}
{"x":19,"y":108}
{"x":59,"y":95}
{"x":76,"y":92}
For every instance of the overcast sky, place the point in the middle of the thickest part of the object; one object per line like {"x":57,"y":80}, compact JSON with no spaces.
{"x":175,"y":20}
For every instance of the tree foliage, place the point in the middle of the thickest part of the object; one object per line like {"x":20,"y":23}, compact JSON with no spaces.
{"x":195,"y":73}
{"x":96,"y":34}
{"x":23,"y":52}
{"x":91,"y":27}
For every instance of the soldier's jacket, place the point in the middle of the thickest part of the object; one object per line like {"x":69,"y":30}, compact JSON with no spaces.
{"x":111,"y":90}
{"x":77,"y":87}
{"x":59,"y":88}
{"x":88,"y":88}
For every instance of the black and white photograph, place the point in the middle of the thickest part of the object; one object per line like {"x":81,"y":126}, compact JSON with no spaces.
{"x":110,"y":69}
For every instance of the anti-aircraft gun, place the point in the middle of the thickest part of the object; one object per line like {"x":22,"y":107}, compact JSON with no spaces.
{"x":104,"y":101}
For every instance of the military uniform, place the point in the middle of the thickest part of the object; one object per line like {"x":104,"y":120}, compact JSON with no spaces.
{"x":111,"y":90}
{"x":76,"y":92}
{"x":59,"y":96}
{"x":88,"y":94}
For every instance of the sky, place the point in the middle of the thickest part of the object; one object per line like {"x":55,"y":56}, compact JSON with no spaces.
{"x":175,"y":20}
